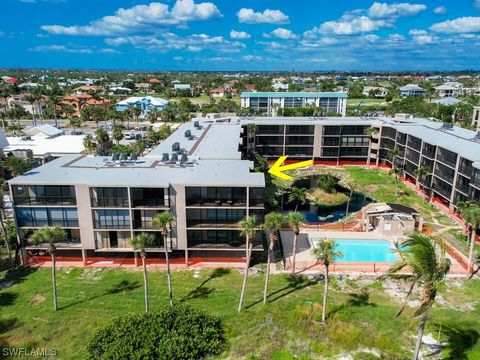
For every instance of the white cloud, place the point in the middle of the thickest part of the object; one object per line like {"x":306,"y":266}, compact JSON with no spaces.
{"x":268,"y":16}
{"x":166,"y":42}
{"x":422,"y":37}
{"x":141,"y":18}
{"x":468,"y":24}
{"x":361,"y":24}
{"x":239,"y":35}
{"x":440,"y":10}
{"x":282,"y":33}
{"x":384,"y":10}
{"x":378,"y":16}
{"x":72,"y":49}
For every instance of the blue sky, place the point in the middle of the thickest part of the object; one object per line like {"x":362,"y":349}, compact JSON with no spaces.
{"x":241,"y":35}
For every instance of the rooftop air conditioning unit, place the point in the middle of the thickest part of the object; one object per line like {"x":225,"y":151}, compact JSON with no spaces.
{"x":183,"y":159}
{"x":165,"y":157}
{"x":174,"y":157}
{"x":188,"y":133}
{"x":176,"y":146}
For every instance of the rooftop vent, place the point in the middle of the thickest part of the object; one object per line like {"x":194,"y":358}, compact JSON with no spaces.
{"x":165,"y":157}
{"x":447,"y":127}
{"x":191,"y":138}
{"x":196,"y":124}
{"x":134,"y":157}
{"x":176,"y":146}
{"x":183,"y":159}
{"x":115,"y":156}
{"x":123,"y":157}
{"x":174,"y":157}
{"x":188,"y":133}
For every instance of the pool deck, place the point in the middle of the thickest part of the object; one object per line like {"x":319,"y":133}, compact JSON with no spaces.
{"x":306,"y":262}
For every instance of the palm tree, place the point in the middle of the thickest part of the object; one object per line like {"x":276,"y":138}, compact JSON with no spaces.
{"x":352,"y":187}
{"x":471,"y":215}
{"x":247,"y":229}
{"x":89,"y":143}
{"x":3,"y":225}
{"x":136,"y":112}
{"x":420,"y":173}
{"x":141,"y":242}
{"x":371,"y":131}
{"x":50,"y":235}
{"x":164,"y":221}
{"x":54,"y":96}
{"x":16,"y":165}
{"x":298,"y":195}
{"x":75,"y":123}
{"x":326,"y":252}
{"x":14,"y":128}
{"x":272,"y":223}
{"x":117,"y":134}
{"x":394,"y":153}
{"x":101,"y":135}
{"x":397,"y":172}
{"x":428,"y":266}
{"x":295,"y":219}
{"x":32,"y":99}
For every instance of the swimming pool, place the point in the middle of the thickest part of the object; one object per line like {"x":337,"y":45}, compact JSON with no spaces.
{"x":362,"y":250}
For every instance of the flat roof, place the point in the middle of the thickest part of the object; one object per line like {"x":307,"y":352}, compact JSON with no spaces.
{"x":214,"y":159}
{"x":92,"y":171}
{"x":63,"y":144}
{"x":306,"y":94}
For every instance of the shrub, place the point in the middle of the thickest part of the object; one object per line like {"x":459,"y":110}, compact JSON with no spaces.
{"x":180,"y":332}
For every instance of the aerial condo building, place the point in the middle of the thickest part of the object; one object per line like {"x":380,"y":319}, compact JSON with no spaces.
{"x":270,"y":102}
{"x":201,"y":174}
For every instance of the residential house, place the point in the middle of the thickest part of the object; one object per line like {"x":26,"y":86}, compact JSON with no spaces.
{"x":145,"y":104}
{"x":376,"y":91}
{"x":450,"y":89}
{"x":78,"y":102}
{"x":412,"y":90}
{"x":86,"y":89}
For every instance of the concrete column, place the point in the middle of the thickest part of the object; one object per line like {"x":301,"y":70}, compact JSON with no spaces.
{"x":135,"y":256}
{"x":186,"y":258}
{"x":84,"y":256}
{"x":420,"y":224}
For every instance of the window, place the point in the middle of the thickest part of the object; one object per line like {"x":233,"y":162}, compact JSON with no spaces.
{"x":331,"y":130}
{"x":299,"y":151}
{"x":109,"y":197}
{"x":330,"y":141}
{"x":330,"y":152}
{"x":111,"y":219}
{"x":447,"y":157}
{"x":214,"y":217}
{"x":465,"y":167}
{"x":355,"y":141}
{"x":257,"y":196}
{"x":220,"y":196}
{"x":428,"y":150}
{"x":270,"y":129}
{"x":39,"y":217}
{"x":269,"y":140}
{"x":300,"y":129}
{"x":44,"y":195}
{"x":389,"y":132}
{"x":217,"y":239}
{"x":299,"y":140}
{"x":148,"y":197}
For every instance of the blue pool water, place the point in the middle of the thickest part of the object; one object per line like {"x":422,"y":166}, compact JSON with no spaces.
{"x":364,"y":250}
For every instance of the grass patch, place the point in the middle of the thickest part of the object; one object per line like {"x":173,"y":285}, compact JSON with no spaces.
{"x":288,"y":327}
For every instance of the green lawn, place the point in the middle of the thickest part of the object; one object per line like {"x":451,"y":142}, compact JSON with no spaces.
{"x":361,"y":316}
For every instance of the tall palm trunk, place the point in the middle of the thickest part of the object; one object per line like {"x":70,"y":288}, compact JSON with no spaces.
{"x":267,"y":275}
{"x":145,"y":282}
{"x":348,"y":208}
{"x":470,"y":252}
{"x":294,"y":250}
{"x":5,"y":235}
{"x":421,"y":328}
{"x":245,"y":276}
{"x":325,"y":294}
{"x":169,"y":276}
{"x":54,"y":281}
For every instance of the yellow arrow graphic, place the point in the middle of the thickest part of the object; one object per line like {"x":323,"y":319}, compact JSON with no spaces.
{"x":277,"y":169}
